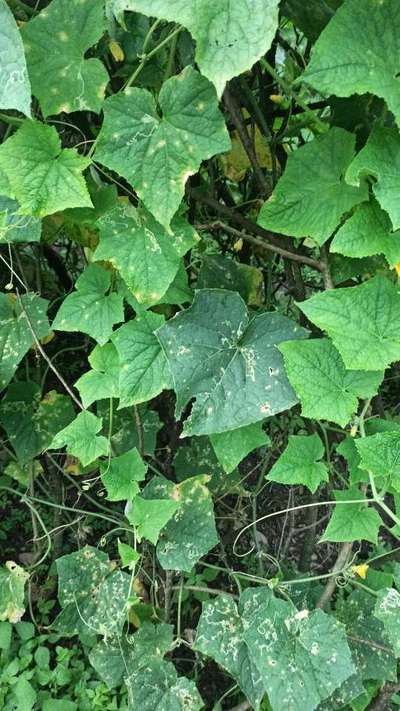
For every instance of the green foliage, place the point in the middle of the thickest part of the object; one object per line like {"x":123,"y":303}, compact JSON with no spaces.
{"x":213,"y":419}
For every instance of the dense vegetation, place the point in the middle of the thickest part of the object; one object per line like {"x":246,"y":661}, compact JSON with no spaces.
{"x":199,"y":339}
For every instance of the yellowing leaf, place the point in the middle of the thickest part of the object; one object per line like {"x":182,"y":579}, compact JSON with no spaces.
{"x":116,"y":51}
{"x":236,"y":162}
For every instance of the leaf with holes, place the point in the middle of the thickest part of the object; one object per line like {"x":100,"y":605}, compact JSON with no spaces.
{"x":144,"y":370}
{"x":81,"y":438}
{"x":231,"y":447}
{"x":352,"y":521}
{"x":12,"y":592}
{"x":230,"y":37}
{"x":361,"y":321}
{"x":346,"y":62}
{"x":387,"y":610}
{"x":368,"y":232}
{"x":157,"y":154}
{"x":191,"y":532}
{"x":146,"y":256}
{"x":90,"y":309}
{"x":311,"y":197}
{"x":55,"y":42}
{"x":229,"y":363}
{"x":101,"y":382}
{"x":327,"y":391}
{"x":220,"y":636}
{"x":30,"y":421}
{"x":157,"y":686}
{"x":42,"y":176}
{"x":16,"y":337}
{"x":299,"y":464}
{"x":121,"y":474}
{"x":15,"y":90}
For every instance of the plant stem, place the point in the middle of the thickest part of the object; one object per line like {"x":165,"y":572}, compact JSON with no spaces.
{"x":146,"y":57}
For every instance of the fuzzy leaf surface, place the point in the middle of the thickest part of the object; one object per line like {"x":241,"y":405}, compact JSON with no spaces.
{"x":352,"y":522}
{"x":231,"y":447}
{"x":121,"y":475}
{"x":368,"y":232}
{"x":15,"y":89}
{"x":299,"y":464}
{"x":102,"y":382}
{"x":81,"y":438}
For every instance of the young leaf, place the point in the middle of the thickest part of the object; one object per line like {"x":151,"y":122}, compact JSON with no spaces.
{"x":311,"y":196}
{"x":220,"y":636}
{"x":191,"y":532}
{"x":345,"y":62}
{"x":380,"y":454}
{"x":327,"y":391}
{"x":144,"y":370}
{"x":380,"y":158}
{"x":299,"y":463}
{"x":229,"y":363}
{"x":15,"y":227}
{"x":12,"y":592}
{"x":15,"y":90}
{"x":89,"y":309}
{"x":146,"y":256}
{"x":368,"y":232}
{"x":81,"y":438}
{"x":42,"y":176}
{"x":31,"y":422}
{"x":352,"y":522}
{"x":158,"y":154}
{"x":129,"y":556}
{"x":121,"y":474}
{"x":223,"y":48}
{"x":231,"y":447}
{"x":362,"y":322}
{"x":16,"y":336}
{"x":102,"y":382}
{"x":150,"y":516}
{"x":157,"y":686}
{"x":312,"y":645}
{"x":55,"y":43}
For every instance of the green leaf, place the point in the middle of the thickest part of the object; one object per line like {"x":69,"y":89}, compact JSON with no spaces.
{"x":220,"y":636}
{"x":387,"y":609}
{"x":81,"y":438}
{"x":220,"y":272}
{"x":200,"y":458}
{"x":366,"y":637}
{"x":25,"y":694}
{"x":311,"y":197}
{"x":129,"y":556}
{"x":144,"y":370}
{"x":380,"y":158}
{"x":352,"y":522}
{"x":157,"y":686}
{"x":89,"y":309}
{"x":121,"y":474}
{"x":42,"y":176}
{"x":231,"y":447}
{"x":224,"y":48}
{"x":327,"y":391}
{"x":31,"y":423}
{"x":299,"y":463}
{"x":12,"y":592}
{"x":125,"y":430}
{"x":368,"y":232}
{"x":55,"y":43}
{"x":179,"y":291}
{"x":362,"y":322}
{"x":158,"y":154}
{"x":17,"y":228}
{"x":229,"y":363}
{"x":103,"y":381}
{"x":310,"y":17}
{"x":312,"y":646}
{"x":346,"y":62}
{"x":191,"y":532}
{"x":15,"y":90}
{"x":147,"y":257}
{"x":150,"y":516}
{"x":78,"y":572}
{"x":380,"y":454}
{"x":16,"y":336}
{"x":347,"y":449}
